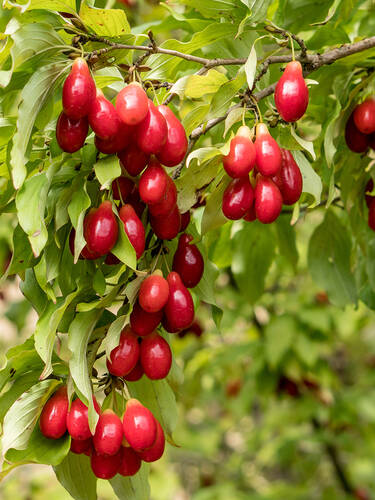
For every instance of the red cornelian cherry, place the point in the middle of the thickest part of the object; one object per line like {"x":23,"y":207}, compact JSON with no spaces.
{"x":105,"y":466}
{"x":369,"y":187}
{"x":241,"y":157}
{"x":371,"y":141}
{"x":371,"y":215}
{"x":185,"y":221}
{"x":268,"y":154}
{"x":77,"y":421}
{"x":152,"y":131}
{"x":179,"y":310}
{"x":167,"y":226}
{"x":103,"y":117}
{"x":108,"y":433}
{"x":355,"y":140}
{"x":100,"y":229}
{"x":135,"y":201}
{"x":71,"y":134}
{"x":132,"y":104}
{"x":133,"y":228}
{"x":364,"y":116}
{"x":124,"y":357}
{"x":78,"y":91}
{"x":168,"y":201}
{"x":156,"y":356}
{"x":139,"y":425}
{"x":111,"y":260}
{"x":133,"y":159}
{"x":167,"y":326}
{"x":130,"y":462}
{"x":153,"y":183}
{"x":85,"y":253}
{"x":250,"y":215}
{"x":188,"y":261}
{"x":174,"y":150}
{"x":122,"y":187}
{"x":143,"y":323}
{"x":157,"y":449}
{"x":291,"y":93}
{"x":117,"y":142}
{"x":237,"y":198}
{"x":153,"y":293}
{"x":80,"y":446}
{"x":52,"y":420}
{"x":268,"y":200}
{"x":289,"y":178}
{"x":135,"y":374}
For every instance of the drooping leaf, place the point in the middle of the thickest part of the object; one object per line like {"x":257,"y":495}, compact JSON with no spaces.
{"x":76,"y":476}
{"x":134,"y":487}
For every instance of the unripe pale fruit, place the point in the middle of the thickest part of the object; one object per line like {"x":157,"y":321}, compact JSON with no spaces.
{"x":81,"y":446}
{"x":78,"y":91}
{"x":364,"y":116}
{"x":237,"y":198}
{"x":108,"y":434}
{"x":52,"y":420}
{"x":133,"y":228}
{"x":167,"y":227}
{"x":185,"y":221}
{"x":71,"y":134}
{"x":143,"y":323}
{"x":291,"y":93}
{"x":355,"y":140}
{"x":153,"y":183}
{"x":122,"y":187}
{"x":103,"y":117}
{"x":188,"y":261}
{"x":157,"y":449}
{"x":100,"y":229}
{"x":168,"y":201}
{"x":179,"y":310}
{"x":117,"y":142}
{"x":124,"y":357}
{"x":289,"y":179}
{"x":139,"y":425}
{"x":77,"y":421}
{"x":132,"y":104}
{"x":152,"y":131}
{"x":175,"y":147}
{"x":130,"y":462}
{"x":268,"y":200}
{"x":241,"y":158}
{"x":133,"y":159}
{"x":153,"y":293}
{"x":135,"y":374}
{"x":268,"y":154}
{"x":371,"y":215}
{"x":105,"y":466}
{"x":156,"y":356}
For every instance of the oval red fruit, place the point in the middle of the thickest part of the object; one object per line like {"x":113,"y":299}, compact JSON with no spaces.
{"x":156,"y":356}
{"x":103,"y":117}
{"x":153,"y":183}
{"x":167,"y":226}
{"x":105,"y":466}
{"x":78,"y":91}
{"x":157,"y":449}
{"x":71,"y":134}
{"x":364,"y":116}
{"x":122,"y":187}
{"x":81,"y":446}
{"x":142,"y":322}
{"x":188,"y":261}
{"x":153,"y":293}
{"x":108,"y":433}
{"x":175,"y":147}
{"x":139,"y":426}
{"x":268,"y":200}
{"x":77,"y":420}
{"x":133,"y":159}
{"x":291,"y":93}
{"x":241,"y":158}
{"x":268,"y":154}
{"x":133,"y":228}
{"x":289,"y":179}
{"x":237,"y":198}
{"x":130,"y":462}
{"x":135,"y":374}
{"x":132,"y":104}
{"x":152,"y":131}
{"x":179,"y":310}
{"x":168,"y":201}
{"x":117,"y":142}
{"x":355,"y":140}
{"x":100,"y":229}
{"x":52,"y":420}
{"x":124,"y":357}
{"x":185,"y":221}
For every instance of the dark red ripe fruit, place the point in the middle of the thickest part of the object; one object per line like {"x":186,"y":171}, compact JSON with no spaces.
{"x":185,"y":221}
{"x":133,"y":159}
{"x":85,"y":253}
{"x":167,"y":227}
{"x":153,"y":293}
{"x":122,"y":187}
{"x":364,"y":116}
{"x":112,"y":260}
{"x":238,"y":198}
{"x":116,"y":143}
{"x":250,"y":215}
{"x":355,"y":140}
{"x":133,"y":228}
{"x":132,"y":104}
{"x":78,"y":91}
{"x":135,"y":374}
{"x":152,"y":131}
{"x":369,"y":187}
{"x":157,"y":449}
{"x":77,"y":421}
{"x":124,"y":357}
{"x":241,"y":157}
{"x":153,"y":183}
{"x":188,"y":261}
{"x":105,"y":466}
{"x":268,"y":154}
{"x":71,"y":134}
{"x":174,"y":150}
{"x":371,"y":215}
{"x":100,"y":229}
{"x":139,"y":426}
{"x":108,"y":434}
{"x":268,"y":200}
{"x":167,"y":326}
{"x":291,"y":93}
{"x":179,"y":310}
{"x":156,"y":357}
{"x":168,"y":201}
{"x":81,"y":446}
{"x":52,"y":420}
{"x":289,"y":178}
{"x":103,"y":117}
{"x":371,"y":141}
{"x":142,"y":322}
{"x":130,"y":462}
{"x":135,"y":201}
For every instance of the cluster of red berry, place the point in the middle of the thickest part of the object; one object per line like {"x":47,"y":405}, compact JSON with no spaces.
{"x":117,"y":446}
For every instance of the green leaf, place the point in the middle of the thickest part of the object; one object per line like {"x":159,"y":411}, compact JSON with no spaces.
{"x":307,"y":145}
{"x":54,"y":5}
{"x":234,"y":116}
{"x":251,"y":66}
{"x":286,"y":238}
{"x":104,"y":22}
{"x":134,"y":487}
{"x":77,"y":207}
{"x":22,"y":384}
{"x":76,"y":476}
{"x":280,"y":334}
{"x":198,"y":86}
{"x":213,"y":216}
{"x":224,"y":96}
{"x":32,"y":291}
{"x":206,"y":286}
{"x":106,"y":170}
{"x":123,"y":249}
{"x":113,"y":335}
{"x":312,"y":183}
{"x":98,"y":282}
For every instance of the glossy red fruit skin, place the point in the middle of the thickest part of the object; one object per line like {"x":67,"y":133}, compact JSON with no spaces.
{"x":355,"y":140}
{"x":117,"y":142}
{"x":143,"y":323}
{"x":78,"y":91}
{"x":108,"y":434}
{"x":124,"y":357}
{"x":71,"y":134}
{"x":250,"y":215}
{"x":133,"y":159}
{"x":132,"y":104}
{"x":135,"y":374}
{"x":188,"y":261}
{"x":268,"y":200}
{"x":130,"y":462}
{"x":105,"y":466}
{"x":268,"y":154}
{"x":371,"y":215}
{"x":168,"y":201}
{"x":122,"y":187}
{"x":167,"y":326}
{"x":153,"y":293}
{"x":85,"y":253}
{"x":156,"y":357}
{"x":139,"y":426}
{"x":289,"y":179}
{"x":81,"y":446}
{"x":77,"y":421}
{"x":179,"y":310}
{"x":369,"y":187}
{"x":133,"y":228}
{"x":175,"y":147}
{"x":237,"y":198}
{"x":100,"y":229}
{"x":167,"y":227}
{"x":103,"y":117}
{"x":241,"y":157}
{"x":153,"y":183}
{"x":152,"y":131}
{"x":185,"y":221}
{"x":364,"y":116}
{"x":52,"y":420}
{"x":291,"y":93}
{"x":157,"y":449}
